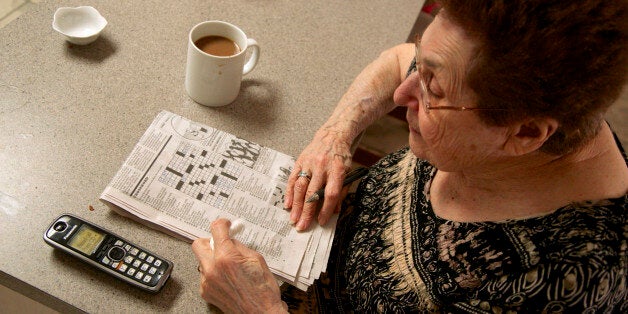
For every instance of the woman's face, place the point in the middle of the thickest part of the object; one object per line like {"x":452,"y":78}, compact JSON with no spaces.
{"x":450,"y":140}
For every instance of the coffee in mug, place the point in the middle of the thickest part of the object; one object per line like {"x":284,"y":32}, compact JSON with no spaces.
{"x":217,"y":46}
{"x":219,"y":54}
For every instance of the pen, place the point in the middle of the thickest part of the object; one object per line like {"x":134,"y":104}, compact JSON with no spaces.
{"x":350,"y":178}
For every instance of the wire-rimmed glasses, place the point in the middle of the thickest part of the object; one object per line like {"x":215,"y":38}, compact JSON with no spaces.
{"x":426,"y":93}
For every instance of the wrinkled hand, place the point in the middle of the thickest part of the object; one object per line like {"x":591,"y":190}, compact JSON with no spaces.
{"x":327,"y":159}
{"x":235,"y":278}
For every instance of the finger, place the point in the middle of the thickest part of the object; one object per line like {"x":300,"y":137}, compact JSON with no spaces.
{"x":203,"y":253}
{"x":200,"y":246}
{"x":288,"y":197}
{"x":309,"y":209}
{"x":307,"y":216}
{"x":220,"y":233}
{"x":332,"y":195}
{"x":337,"y":209}
{"x":300,"y":189}
{"x":343,"y":195}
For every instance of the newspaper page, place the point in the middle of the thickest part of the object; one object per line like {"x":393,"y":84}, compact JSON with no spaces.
{"x":182,"y":175}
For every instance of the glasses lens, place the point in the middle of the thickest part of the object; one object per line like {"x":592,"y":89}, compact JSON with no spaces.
{"x":417,"y":56}
{"x":424,"y":97}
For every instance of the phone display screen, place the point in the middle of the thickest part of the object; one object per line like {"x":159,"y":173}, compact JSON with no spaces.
{"x":86,"y":240}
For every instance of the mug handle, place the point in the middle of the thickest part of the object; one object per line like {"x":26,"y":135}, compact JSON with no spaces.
{"x":250,"y":65}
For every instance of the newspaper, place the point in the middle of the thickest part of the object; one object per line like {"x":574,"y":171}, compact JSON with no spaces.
{"x":183,"y":175}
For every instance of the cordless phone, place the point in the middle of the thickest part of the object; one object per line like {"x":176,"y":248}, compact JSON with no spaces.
{"x":108,"y":252}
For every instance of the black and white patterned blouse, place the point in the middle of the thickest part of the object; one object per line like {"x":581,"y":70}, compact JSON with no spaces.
{"x":392,"y":254}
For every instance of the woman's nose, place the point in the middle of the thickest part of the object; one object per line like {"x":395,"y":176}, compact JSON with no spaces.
{"x":408,"y":93}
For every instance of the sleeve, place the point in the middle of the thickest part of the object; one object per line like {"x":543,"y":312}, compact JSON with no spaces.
{"x":412,"y":67}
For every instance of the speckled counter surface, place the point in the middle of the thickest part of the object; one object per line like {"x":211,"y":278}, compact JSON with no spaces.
{"x":69,"y":116}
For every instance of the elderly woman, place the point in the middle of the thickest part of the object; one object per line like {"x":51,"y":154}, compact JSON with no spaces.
{"x":511,"y":195}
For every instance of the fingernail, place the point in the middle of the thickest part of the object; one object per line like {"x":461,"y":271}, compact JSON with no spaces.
{"x":301,"y":226}
{"x":322,"y":221}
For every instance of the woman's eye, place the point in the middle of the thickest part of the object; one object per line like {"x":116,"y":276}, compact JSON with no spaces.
{"x":430,"y":89}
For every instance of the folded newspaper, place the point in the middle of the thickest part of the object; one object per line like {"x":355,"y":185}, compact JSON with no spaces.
{"x":183,"y":175}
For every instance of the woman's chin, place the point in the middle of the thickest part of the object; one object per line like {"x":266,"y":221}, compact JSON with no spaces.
{"x":416,"y":148}
{"x":414,"y":137}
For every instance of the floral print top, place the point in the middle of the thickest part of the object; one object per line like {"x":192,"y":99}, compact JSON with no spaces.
{"x":392,"y":254}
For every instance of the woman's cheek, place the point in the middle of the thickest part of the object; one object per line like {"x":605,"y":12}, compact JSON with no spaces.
{"x":431,"y":133}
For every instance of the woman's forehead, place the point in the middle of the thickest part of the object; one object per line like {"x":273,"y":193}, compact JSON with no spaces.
{"x":446,"y":51}
{"x":445,"y":44}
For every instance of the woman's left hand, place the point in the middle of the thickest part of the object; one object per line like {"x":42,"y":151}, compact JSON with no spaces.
{"x":325,"y":161}
{"x":235,"y":278}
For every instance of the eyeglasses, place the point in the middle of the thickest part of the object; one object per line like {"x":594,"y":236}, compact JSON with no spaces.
{"x":426,"y":92}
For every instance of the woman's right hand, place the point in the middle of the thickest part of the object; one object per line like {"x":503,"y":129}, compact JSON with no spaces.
{"x":233,"y":277}
{"x":326,"y":159}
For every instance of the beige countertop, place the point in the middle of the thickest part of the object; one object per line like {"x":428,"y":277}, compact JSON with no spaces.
{"x":69,"y":116}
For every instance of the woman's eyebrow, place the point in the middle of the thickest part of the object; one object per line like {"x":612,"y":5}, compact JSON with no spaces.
{"x":431,"y":63}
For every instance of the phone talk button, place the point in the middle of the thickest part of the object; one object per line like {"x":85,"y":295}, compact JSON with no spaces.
{"x":116,"y":253}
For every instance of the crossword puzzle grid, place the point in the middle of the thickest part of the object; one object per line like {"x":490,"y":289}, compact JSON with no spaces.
{"x":206,"y":177}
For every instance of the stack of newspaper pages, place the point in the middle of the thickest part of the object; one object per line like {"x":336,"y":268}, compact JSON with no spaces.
{"x":182,"y":175}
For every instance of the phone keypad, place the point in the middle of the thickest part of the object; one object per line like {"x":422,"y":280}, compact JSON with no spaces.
{"x":135,"y":263}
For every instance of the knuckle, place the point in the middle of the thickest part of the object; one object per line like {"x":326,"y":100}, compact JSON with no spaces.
{"x":218,"y":222}
{"x":196,"y":242}
{"x":341,"y":168}
{"x":210,"y":276}
{"x":220,"y":263}
{"x":327,"y":210}
{"x":320,"y":159}
{"x":307,"y":215}
{"x":257,"y":256}
{"x":199,"y":243}
{"x":332,"y":195}
{"x":300,"y":186}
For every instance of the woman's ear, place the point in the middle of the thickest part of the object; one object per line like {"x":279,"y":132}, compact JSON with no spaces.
{"x":529,"y":135}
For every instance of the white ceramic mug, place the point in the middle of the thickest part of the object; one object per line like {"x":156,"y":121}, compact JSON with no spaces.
{"x":214,"y":80}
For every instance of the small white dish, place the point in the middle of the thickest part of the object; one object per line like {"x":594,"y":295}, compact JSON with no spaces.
{"x":80,"y":25}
